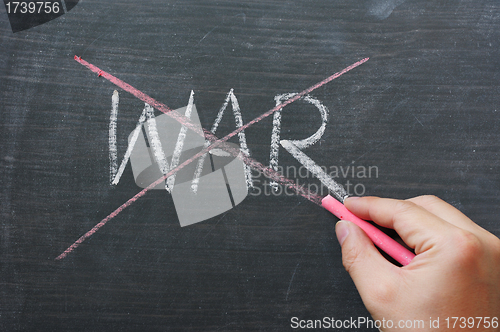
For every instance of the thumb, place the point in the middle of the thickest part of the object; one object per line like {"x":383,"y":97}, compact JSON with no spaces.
{"x":367,"y":267}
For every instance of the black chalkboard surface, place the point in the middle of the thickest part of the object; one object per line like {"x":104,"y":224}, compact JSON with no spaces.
{"x":422,"y":114}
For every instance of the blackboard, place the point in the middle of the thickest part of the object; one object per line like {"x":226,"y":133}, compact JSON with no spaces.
{"x":424,"y":110}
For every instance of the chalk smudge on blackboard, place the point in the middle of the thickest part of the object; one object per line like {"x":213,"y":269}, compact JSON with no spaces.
{"x":155,"y":142}
{"x":131,"y":144}
{"x":113,"y":150}
{"x":382,"y":9}
{"x":275,"y":139}
{"x":316,"y":170}
{"x":241,"y":136}
{"x":300,"y":144}
{"x":179,"y":145}
{"x":201,"y":160}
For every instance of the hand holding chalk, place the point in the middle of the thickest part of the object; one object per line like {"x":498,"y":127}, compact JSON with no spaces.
{"x":456,"y":272}
{"x":379,"y":238}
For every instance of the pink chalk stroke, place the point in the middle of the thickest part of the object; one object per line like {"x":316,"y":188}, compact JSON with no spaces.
{"x":215,"y":142}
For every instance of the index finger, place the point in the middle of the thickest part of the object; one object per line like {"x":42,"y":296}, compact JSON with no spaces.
{"x":446,"y":212}
{"x":419,"y":228}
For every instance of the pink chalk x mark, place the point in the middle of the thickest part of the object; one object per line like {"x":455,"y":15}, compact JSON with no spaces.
{"x":270,"y":173}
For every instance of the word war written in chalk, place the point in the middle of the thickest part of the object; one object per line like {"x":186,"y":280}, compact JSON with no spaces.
{"x":217,"y":181}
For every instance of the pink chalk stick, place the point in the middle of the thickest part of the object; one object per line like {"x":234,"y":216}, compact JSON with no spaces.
{"x":379,"y":238}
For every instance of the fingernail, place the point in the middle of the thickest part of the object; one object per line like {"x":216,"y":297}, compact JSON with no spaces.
{"x":351,"y":198}
{"x":342,"y":230}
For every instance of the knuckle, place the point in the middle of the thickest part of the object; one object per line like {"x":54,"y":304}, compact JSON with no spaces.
{"x":403,"y":207}
{"x":468,"y":246}
{"x":427,"y":200}
{"x":383,"y":293}
{"x":430,"y":199}
{"x":496,"y":248}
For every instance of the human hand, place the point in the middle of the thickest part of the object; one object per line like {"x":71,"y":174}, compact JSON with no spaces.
{"x":456,"y":272}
